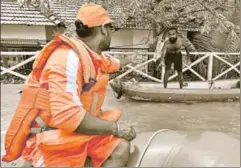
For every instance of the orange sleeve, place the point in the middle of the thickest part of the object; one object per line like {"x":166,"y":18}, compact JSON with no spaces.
{"x":62,"y":74}
{"x":109,"y":64}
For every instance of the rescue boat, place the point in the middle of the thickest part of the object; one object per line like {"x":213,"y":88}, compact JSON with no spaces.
{"x":223,"y":90}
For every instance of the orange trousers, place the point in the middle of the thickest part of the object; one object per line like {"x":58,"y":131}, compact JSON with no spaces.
{"x":56,"y":148}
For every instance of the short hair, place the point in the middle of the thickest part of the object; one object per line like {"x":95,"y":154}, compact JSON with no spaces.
{"x":172,"y":28}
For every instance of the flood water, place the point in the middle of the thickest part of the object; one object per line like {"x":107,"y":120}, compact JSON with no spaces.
{"x":148,"y":116}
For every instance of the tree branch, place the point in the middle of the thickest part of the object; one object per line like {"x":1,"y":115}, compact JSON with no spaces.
{"x":215,"y":15}
{"x":191,"y":12}
{"x":186,"y":5}
{"x":224,"y":5}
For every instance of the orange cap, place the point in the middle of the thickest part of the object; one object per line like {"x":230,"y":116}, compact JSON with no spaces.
{"x":93,"y":15}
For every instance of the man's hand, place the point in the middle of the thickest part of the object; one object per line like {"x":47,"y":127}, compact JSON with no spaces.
{"x":126,"y":132}
{"x":160,"y":65}
{"x":156,"y":58}
{"x":124,"y":61}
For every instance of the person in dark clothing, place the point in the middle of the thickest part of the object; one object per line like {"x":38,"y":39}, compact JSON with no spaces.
{"x":171,"y":53}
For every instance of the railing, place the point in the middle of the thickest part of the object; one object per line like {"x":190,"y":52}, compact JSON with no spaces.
{"x":10,"y":70}
{"x":211,"y":56}
{"x":141,"y":60}
{"x":201,"y":57}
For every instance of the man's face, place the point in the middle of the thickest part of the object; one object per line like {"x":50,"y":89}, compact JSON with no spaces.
{"x":109,"y":29}
{"x":172,"y":36}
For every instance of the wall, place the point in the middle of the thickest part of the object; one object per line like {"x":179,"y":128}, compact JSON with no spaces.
{"x":51,"y":30}
{"x":127,"y":38}
{"x":23,"y":32}
{"x":123,"y":38}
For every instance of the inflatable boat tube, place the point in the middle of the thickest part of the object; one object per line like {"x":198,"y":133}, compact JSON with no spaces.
{"x":167,"y":148}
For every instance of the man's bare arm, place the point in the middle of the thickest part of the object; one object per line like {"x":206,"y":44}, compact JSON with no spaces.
{"x":92,"y":125}
{"x":163,"y":52}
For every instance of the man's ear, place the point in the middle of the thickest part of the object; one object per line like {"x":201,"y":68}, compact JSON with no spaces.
{"x":104,"y":30}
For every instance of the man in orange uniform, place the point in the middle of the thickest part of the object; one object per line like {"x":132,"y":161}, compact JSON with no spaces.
{"x":71,"y":74}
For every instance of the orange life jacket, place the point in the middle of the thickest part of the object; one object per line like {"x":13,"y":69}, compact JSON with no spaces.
{"x":35,"y":99}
